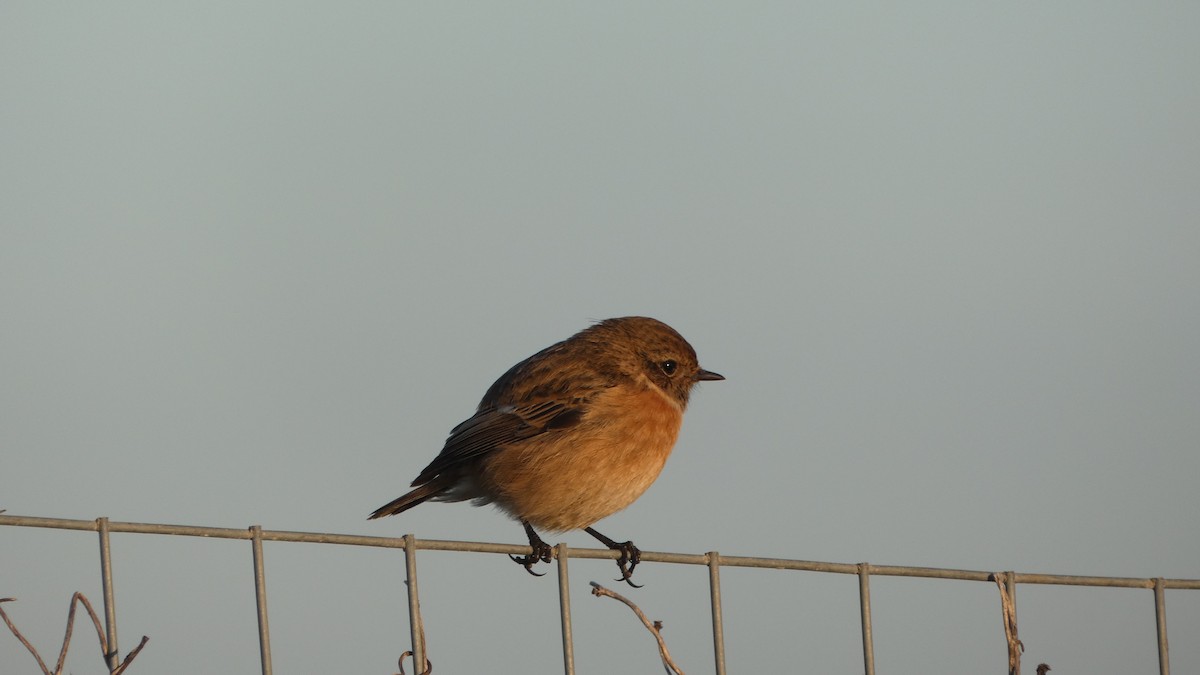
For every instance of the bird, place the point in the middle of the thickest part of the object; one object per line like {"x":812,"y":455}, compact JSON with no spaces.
{"x":570,"y":435}
{"x":1043,"y":668}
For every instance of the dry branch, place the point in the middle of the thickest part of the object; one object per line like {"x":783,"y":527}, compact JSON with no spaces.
{"x":1009,"y":610}
{"x":408,"y":654}
{"x":655,"y":627}
{"x":76,"y":599}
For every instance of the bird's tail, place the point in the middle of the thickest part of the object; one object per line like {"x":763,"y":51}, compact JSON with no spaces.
{"x":426,"y":492}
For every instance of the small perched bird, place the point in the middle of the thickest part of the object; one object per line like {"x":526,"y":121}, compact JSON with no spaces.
{"x":570,"y":435}
{"x":1042,"y":669}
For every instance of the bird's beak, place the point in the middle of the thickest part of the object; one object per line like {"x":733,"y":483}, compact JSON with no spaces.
{"x":707,"y":375}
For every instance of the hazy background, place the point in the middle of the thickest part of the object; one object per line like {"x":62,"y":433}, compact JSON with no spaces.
{"x":257,"y":260}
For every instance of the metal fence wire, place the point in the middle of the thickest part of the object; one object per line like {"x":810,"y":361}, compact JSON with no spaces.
{"x":1006,"y":581}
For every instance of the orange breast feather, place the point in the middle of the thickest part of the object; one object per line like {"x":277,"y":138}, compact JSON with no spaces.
{"x":567,"y":480}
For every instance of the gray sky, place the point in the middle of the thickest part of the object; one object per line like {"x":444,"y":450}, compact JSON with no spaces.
{"x":256,"y":261}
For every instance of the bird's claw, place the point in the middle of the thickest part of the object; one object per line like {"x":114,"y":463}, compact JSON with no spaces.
{"x":630,"y":557}
{"x":528,"y":561}
{"x":539,"y":551}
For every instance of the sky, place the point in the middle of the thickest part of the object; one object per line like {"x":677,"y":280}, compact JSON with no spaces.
{"x":257,"y":260}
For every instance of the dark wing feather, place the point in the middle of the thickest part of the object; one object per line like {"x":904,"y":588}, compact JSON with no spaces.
{"x":492,"y":428}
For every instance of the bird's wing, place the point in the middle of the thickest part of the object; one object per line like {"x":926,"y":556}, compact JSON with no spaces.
{"x":495,"y":427}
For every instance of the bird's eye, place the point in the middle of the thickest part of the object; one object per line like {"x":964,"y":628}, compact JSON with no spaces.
{"x":669,"y":367}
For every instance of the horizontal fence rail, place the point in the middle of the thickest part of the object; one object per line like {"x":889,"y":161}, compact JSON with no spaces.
{"x":713,"y":560}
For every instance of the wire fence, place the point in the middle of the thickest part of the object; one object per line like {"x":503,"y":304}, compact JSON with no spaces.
{"x":714,"y":561}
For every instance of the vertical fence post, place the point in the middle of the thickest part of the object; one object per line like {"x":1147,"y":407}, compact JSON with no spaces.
{"x":1009,"y":600}
{"x":1160,"y":620}
{"x":112,"y":655}
{"x":260,"y":599}
{"x":864,"y":606}
{"x":564,"y":610}
{"x":416,"y":626}
{"x":718,"y":621}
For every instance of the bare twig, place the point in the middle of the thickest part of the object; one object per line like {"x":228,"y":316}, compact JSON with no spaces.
{"x":76,"y":599}
{"x":17,"y":634}
{"x":654,"y":627}
{"x":428,"y":664}
{"x":130,"y":656}
{"x":1015,"y":646}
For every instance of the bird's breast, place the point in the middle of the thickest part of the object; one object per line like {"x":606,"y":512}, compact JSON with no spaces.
{"x":570,"y":478}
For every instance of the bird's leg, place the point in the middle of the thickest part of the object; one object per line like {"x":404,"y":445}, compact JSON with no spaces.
{"x":541,"y":551}
{"x":630,"y":555}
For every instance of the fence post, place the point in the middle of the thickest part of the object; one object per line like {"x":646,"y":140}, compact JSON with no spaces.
{"x":718,"y":620}
{"x":1160,"y":621}
{"x":564,"y":609}
{"x":416,"y":626}
{"x":260,"y":599}
{"x":864,"y":605}
{"x":112,"y":655}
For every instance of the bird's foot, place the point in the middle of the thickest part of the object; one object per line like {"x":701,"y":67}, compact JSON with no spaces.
{"x":542,"y":553}
{"x":539,"y":551}
{"x":629,"y":559}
